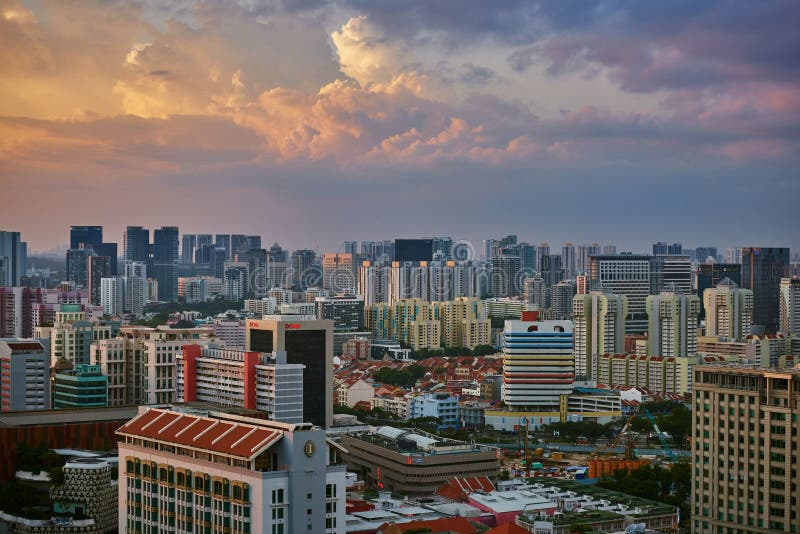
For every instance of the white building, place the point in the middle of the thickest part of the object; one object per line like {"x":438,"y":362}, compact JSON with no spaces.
{"x":729,"y":311}
{"x":672,"y":324}
{"x":599,"y":329}
{"x":227,"y":473}
{"x":111,"y":295}
{"x":790,"y":306}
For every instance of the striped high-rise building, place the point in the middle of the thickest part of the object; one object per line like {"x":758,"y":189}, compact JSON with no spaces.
{"x":537,"y":363}
{"x":672,"y":324}
{"x":729,"y":311}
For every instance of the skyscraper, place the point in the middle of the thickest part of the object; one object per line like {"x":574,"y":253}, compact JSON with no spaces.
{"x":307,"y":342}
{"x":165,"y":260}
{"x":672,"y":324}
{"x":710,"y":274}
{"x":137,"y":244}
{"x":762,"y":270}
{"x":78,"y":266}
{"x":302,"y":261}
{"x":337,"y":272}
{"x":224,"y":241}
{"x":790,"y":306}
{"x":85,"y":236}
{"x":99,"y":267}
{"x":188,"y":246}
{"x":628,"y":275}
{"x":13,"y":258}
{"x":505,"y":276}
{"x":599,"y":329}
{"x":568,"y":259}
{"x":729,"y":311}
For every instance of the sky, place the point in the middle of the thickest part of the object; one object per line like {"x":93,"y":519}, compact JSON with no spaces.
{"x":312,"y":122}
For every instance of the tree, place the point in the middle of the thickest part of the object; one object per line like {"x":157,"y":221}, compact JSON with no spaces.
{"x":483,"y":350}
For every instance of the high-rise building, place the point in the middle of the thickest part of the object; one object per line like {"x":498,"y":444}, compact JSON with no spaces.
{"x":703,"y":254}
{"x":729,"y":311}
{"x":99,"y":267}
{"x":24,"y":375}
{"x":278,"y":274}
{"x":78,"y":266}
{"x":550,"y":269}
{"x":537,"y":364}
{"x":443,"y":245}
{"x":134,"y":298}
{"x":410,"y":321}
{"x":188,"y":246}
{"x":745,"y":446}
{"x":223,"y":241}
{"x":337,"y":272}
{"x":165,"y":260}
{"x":790,"y":306}
{"x":373,"y":283}
{"x":568,"y":259}
{"x":671,"y":273}
{"x":306,"y":342}
{"x":413,"y":250}
{"x":762,"y":270}
{"x":346,"y":312}
{"x":664,"y":249}
{"x":708,"y":275}
{"x":672,"y":324}
{"x":112,"y":295}
{"x":582,"y":255}
{"x":463,"y":322}
{"x":235,"y":280}
{"x":505,"y":276}
{"x":85,"y":236}
{"x":599,"y":320}
{"x":238,"y":243}
{"x":137,"y":244}
{"x":608,"y":249}
{"x":230,"y":473}
{"x":628,"y":275}
{"x":302,"y":261}
{"x":561,"y":299}
{"x":241,"y":379}
{"x":13,"y":258}
{"x":205,"y":240}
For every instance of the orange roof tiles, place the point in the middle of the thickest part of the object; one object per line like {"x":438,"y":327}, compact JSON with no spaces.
{"x":225,"y":437}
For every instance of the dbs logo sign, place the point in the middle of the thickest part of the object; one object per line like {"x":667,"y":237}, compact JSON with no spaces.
{"x":253,"y":324}
{"x":291,"y":326}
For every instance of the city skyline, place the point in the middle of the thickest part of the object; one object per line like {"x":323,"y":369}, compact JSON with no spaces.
{"x":538,"y":116}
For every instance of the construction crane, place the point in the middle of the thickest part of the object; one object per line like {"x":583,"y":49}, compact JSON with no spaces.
{"x":660,"y":434}
{"x":626,"y":430}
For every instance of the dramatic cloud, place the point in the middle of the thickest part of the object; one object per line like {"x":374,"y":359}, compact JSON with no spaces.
{"x":376,"y":100}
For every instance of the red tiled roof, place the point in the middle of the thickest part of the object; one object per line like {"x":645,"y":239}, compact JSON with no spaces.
{"x":225,"y":437}
{"x":458,"y":488}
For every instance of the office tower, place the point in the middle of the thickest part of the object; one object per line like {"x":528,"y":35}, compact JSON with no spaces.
{"x":238,"y":243}
{"x":672,"y":324}
{"x":223,"y":241}
{"x":256,"y":260}
{"x":13,"y":258}
{"x":205,"y":240}
{"x":24,"y":375}
{"x":278,"y":267}
{"x":165,"y":260}
{"x":550,"y":269}
{"x":78,"y":266}
{"x":762,"y":270}
{"x":188,"y":246}
{"x":463,"y":322}
{"x":671,"y":273}
{"x":443,"y":245}
{"x":85,"y":236}
{"x":350,"y":247}
{"x":664,"y":249}
{"x":708,"y":275}
{"x":628,"y":275}
{"x":306,"y":342}
{"x":109,"y":250}
{"x":541,"y":251}
{"x":745,"y":445}
{"x":561,"y":299}
{"x":112,"y":295}
{"x":137,"y":244}
{"x":729,"y":311}
{"x":790,"y":306}
{"x":537,"y":364}
{"x":347,"y":314}
{"x":235,"y":280}
{"x":135,"y":268}
{"x":253,"y":241}
{"x":527,"y":257}
{"x":599,"y":320}
{"x":413,"y":250}
{"x":505,"y":276}
{"x":337,"y":272}
{"x":583,"y":254}
{"x":302,"y":261}
{"x":568,"y":259}
{"x":535,"y":292}
{"x":703,"y":254}
{"x":99,"y":267}
{"x":236,"y":473}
